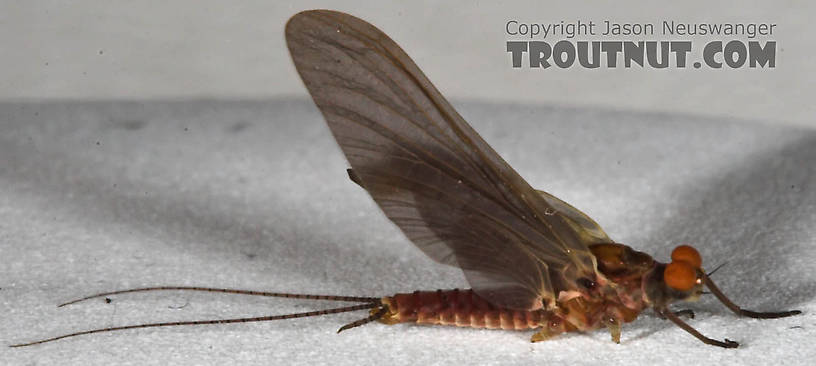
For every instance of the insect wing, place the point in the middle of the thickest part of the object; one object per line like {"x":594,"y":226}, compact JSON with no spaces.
{"x":429,"y":171}
{"x":588,"y":231}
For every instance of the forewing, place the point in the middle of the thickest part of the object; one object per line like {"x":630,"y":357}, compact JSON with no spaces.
{"x":587,"y":230}
{"x":428,"y":170}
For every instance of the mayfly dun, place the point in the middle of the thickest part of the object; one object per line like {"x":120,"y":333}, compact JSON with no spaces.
{"x":533,"y":261}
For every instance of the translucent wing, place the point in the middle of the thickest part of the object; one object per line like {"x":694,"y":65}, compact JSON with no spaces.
{"x":588,"y":231}
{"x":429,"y":171}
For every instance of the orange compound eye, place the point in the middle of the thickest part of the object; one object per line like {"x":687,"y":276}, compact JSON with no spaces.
{"x":680,"y":276}
{"x":686,"y":253}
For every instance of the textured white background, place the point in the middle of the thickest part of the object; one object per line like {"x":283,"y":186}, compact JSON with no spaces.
{"x":247,"y":189}
{"x":102,"y":196}
{"x":192,"y":48}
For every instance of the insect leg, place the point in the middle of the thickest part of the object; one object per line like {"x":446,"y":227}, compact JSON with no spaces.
{"x":688,"y":328}
{"x":551,"y":326}
{"x":614,"y":327}
{"x":739,"y":311}
{"x":685,"y":312}
{"x":542,"y":335}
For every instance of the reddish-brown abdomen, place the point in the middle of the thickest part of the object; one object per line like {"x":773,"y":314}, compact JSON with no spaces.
{"x":456,"y":307}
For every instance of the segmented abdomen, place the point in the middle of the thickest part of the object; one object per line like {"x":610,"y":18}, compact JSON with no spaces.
{"x":462,"y":308}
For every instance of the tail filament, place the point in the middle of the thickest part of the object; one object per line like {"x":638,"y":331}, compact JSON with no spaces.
{"x":367,"y":303}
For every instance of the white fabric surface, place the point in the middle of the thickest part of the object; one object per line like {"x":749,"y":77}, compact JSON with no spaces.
{"x":98,"y":196}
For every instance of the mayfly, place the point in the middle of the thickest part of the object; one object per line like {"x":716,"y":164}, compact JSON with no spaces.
{"x":533,"y":261}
